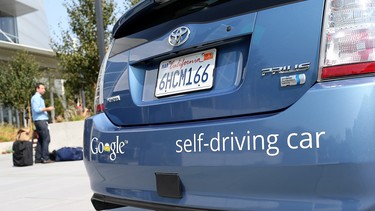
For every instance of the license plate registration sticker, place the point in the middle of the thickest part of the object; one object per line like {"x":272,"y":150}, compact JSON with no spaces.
{"x":187,"y":73}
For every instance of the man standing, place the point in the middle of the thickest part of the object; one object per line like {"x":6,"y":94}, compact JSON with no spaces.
{"x":40,"y":118}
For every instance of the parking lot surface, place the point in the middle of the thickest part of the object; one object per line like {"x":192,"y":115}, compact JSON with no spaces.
{"x":55,"y":186}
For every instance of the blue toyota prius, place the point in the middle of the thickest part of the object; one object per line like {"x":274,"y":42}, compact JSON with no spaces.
{"x":236,"y":105}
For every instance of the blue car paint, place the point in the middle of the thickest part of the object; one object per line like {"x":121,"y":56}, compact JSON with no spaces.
{"x":238,"y":70}
{"x":323,"y":156}
{"x":337,"y":175}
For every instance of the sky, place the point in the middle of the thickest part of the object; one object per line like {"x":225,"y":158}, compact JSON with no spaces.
{"x":56,"y":14}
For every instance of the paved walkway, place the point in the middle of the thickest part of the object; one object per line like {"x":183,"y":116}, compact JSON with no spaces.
{"x":56,"y":186}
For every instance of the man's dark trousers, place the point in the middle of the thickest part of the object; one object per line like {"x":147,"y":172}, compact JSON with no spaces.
{"x":41,"y":152}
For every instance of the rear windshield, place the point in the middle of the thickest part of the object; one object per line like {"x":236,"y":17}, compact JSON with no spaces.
{"x":148,"y":15}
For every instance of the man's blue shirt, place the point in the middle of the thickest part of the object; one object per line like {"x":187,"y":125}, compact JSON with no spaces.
{"x":37,"y":104}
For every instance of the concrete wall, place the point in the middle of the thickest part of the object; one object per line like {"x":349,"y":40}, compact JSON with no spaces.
{"x":66,"y":134}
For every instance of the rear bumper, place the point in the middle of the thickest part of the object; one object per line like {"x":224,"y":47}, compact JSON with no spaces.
{"x":317,"y":154}
{"x":102,"y":202}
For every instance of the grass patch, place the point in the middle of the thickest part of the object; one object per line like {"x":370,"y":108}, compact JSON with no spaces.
{"x":8,"y":133}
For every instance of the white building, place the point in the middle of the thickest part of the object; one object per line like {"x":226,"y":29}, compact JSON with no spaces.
{"x":24,"y":26}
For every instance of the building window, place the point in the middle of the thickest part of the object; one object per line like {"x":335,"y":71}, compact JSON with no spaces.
{"x":8,"y":28}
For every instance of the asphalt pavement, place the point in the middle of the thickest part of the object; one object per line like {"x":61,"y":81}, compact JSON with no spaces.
{"x":41,"y":187}
{"x":55,"y":186}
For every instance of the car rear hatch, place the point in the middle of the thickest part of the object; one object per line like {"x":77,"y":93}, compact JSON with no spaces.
{"x":179,"y":61}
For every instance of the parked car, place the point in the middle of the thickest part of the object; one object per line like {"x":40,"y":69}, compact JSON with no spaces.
{"x":236,"y":105}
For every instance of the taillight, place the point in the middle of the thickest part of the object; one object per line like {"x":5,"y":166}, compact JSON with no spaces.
{"x":348,"y":38}
{"x":99,"y":99}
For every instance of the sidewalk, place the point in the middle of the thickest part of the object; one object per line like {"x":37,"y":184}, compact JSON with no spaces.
{"x":56,"y":186}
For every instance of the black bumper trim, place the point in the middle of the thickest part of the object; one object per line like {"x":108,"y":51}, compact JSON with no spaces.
{"x":102,"y":202}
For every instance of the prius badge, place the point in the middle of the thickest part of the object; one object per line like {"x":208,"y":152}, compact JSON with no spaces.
{"x":113,"y":99}
{"x":289,"y":80}
{"x":286,"y":69}
{"x":179,"y":36}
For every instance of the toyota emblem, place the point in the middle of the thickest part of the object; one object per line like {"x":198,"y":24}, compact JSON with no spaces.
{"x":179,"y":36}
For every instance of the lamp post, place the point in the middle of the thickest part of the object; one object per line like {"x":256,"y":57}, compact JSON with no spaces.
{"x":100,"y":29}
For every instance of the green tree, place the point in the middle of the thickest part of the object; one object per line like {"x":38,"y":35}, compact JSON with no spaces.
{"x":17,"y":81}
{"x":134,"y":2}
{"x":78,"y":49}
{"x":127,"y":5}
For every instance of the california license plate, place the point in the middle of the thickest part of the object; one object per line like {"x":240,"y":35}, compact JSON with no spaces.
{"x":187,"y":73}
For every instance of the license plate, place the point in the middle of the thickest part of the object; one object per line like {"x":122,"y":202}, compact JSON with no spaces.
{"x":187,"y":73}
